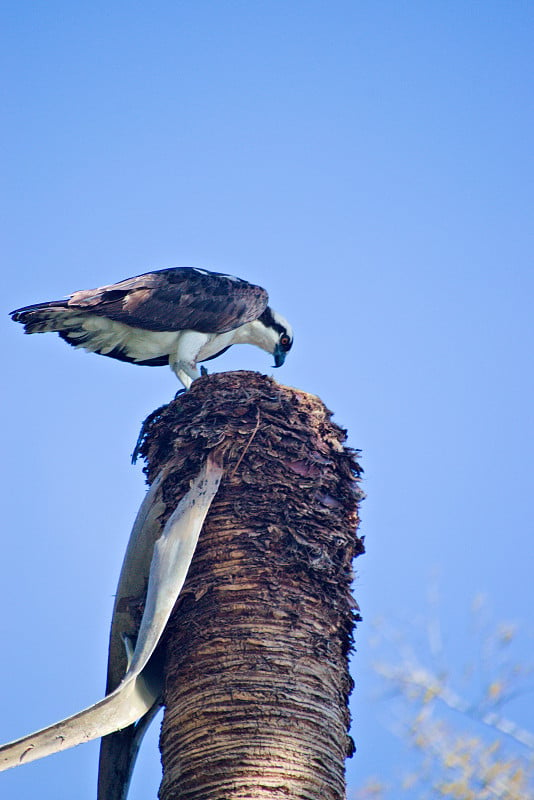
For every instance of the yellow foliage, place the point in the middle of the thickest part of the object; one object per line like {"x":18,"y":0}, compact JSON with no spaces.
{"x":495,"y":689}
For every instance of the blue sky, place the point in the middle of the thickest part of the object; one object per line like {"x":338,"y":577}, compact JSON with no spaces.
{"x":370,"y":164}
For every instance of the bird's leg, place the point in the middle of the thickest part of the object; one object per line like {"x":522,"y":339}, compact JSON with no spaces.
{"x":186,"y":373}
{"x":184,"y":361}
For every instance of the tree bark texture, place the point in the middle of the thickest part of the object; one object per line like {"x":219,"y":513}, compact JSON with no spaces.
{"x":256,"y":651}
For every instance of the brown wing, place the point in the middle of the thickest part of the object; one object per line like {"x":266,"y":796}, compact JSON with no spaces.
{"x":176,"y":299}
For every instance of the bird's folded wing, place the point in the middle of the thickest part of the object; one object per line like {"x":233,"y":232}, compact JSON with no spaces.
{"x":137,"y":692}
{"x":175,"y":299}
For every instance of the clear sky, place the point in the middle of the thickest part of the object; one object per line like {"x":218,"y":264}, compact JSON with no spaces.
{"x":369,"y":163}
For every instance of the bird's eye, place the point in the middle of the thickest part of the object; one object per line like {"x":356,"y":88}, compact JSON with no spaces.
{"x":285,"y":341}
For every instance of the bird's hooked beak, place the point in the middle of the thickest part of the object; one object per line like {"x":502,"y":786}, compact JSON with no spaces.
{"x":279,"y":356}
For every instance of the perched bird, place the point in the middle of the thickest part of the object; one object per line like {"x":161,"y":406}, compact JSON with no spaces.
{"x":177,"y":316}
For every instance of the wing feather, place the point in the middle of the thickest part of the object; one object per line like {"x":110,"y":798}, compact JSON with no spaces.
{"x":176,"y":299}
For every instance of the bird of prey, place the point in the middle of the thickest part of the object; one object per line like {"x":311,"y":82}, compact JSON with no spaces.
{"x":177,"y":316}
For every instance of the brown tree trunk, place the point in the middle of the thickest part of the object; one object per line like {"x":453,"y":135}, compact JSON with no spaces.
{"x":257,"y":648}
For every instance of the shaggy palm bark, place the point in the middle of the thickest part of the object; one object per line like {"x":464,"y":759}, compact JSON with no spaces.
{"x":256,"y":651}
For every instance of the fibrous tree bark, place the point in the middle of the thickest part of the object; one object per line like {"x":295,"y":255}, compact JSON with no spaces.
{"x":256,"y":651}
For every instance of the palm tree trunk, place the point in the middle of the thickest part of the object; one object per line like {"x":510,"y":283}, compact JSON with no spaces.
{"x":256,"y":651}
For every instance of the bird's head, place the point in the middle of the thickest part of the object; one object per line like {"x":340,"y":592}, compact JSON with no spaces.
{"x":277,"y":335}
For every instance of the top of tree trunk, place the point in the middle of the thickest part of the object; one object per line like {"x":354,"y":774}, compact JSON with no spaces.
{"x":257,"y":647}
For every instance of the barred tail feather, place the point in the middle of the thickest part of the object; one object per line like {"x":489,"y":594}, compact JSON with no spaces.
{"x":40,"y":317}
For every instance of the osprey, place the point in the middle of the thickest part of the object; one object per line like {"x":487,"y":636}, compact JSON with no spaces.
{"x":177,"y":316}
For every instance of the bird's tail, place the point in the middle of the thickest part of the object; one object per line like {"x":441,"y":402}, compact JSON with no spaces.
{"x":40,"y":317}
